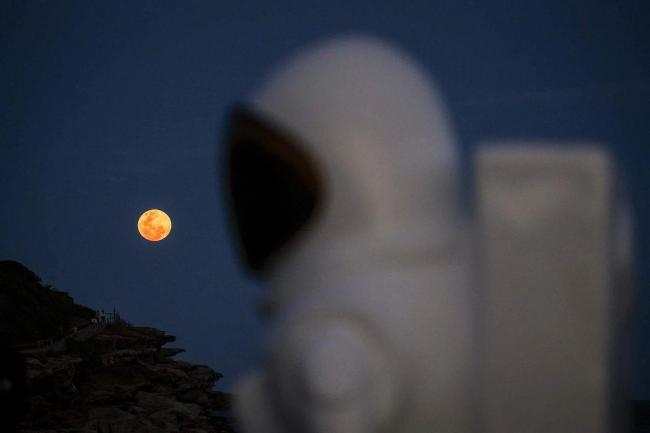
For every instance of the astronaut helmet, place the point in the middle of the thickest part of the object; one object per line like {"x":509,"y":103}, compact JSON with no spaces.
{"x":342,"y":155}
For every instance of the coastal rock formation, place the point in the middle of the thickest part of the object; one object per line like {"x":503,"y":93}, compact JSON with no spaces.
{"x":84,"y":376}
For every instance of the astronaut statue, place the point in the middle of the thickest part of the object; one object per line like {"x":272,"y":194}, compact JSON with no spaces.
{"x":342,"y":181}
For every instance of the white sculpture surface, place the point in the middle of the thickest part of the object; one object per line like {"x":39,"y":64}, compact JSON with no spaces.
{"x":374,"y":323}
{"x":372,"y":327}
{"x":548,"y":325}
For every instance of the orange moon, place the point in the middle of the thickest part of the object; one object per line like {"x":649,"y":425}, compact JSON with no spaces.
{"x":154,"y":225}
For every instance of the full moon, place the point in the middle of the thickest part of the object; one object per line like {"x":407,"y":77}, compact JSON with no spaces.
{"x":154,"y":225}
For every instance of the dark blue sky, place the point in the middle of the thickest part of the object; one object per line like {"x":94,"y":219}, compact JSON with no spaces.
{"x":110,"y":108}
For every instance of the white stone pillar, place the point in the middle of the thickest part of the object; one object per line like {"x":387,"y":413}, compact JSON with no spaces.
{"x":547,"y":317}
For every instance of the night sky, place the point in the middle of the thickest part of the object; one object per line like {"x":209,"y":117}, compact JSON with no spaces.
{"x":111,"y":108}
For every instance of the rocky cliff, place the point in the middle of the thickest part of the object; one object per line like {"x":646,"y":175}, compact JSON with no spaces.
{"x":73,"y":374}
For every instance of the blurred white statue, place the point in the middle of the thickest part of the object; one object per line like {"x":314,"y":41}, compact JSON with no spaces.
{"x":554,"y":262}
{"x":343,"y":188}
{"x":368,"y":293}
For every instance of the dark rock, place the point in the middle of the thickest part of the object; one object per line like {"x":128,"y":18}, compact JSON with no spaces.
{"x":88,"y":378}
{"x":171,"y":351}
{"x":195,"y":396}
{"x":113,"y":420}
{"x":170,"y":374}
{"x":30,"y":311}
